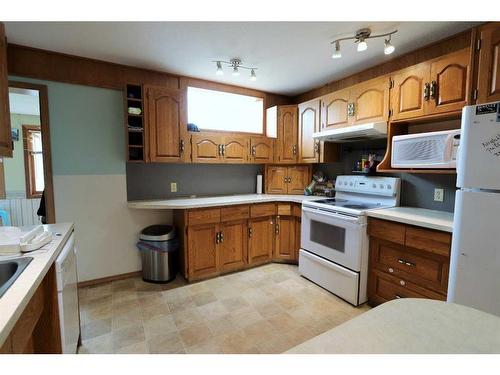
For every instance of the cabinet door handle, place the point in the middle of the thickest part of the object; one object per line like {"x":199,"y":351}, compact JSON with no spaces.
{"x":294,"y":149}
{"x":397,"y":296}
{"x":285,"y":180}
{"x":250,"y":232}
{"x":406,"y":263}
{"x":221,"y":237}
{"x":181,"y":146}
{"x":277,"y":229}
{"x":289,"y":180}
{"x":217,"y":238}
{"x":433,"y":91}
{"x":427,"y":89}
{"x":223,"y":148}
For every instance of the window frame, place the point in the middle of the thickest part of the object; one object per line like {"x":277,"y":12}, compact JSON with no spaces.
{"x":29,"y":171}
{"x":215,"y":86}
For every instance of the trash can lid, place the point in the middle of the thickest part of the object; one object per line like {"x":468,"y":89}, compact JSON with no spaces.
{"x":158,"y":233}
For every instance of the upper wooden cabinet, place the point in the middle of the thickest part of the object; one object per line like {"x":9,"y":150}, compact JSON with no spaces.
{"x":434,"y":87}
{"x":206,"y":148}
{"x":299,"y":176}
{"x":334,"y":110}
{"x":235,"y":149}
{"x":488,"y":77}
{"x":276,"y":179}
{"x":5,"y":133}
{"x":309,"y":117}
{"x":166,"y":124}
{"x":287,"y":141}
{"x":261,"y":150}
{"x":287,"y":180}
{"x":370,"y":101}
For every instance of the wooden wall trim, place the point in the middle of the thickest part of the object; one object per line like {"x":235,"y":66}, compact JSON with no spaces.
{"x":107,"y":279}
{"x":451,"y":44}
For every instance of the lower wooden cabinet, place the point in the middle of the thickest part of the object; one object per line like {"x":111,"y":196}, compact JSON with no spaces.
{"x":292,"y":179}
{"x":217,"y":240}
{"x":407,"y":261}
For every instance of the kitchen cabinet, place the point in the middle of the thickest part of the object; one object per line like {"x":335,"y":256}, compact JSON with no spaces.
{"x":335,"y":110}
{"x":203,"y":240}
{"x":5,"y":127}
{"x":435,"y":87}
{"x":233,"y":245}
{"x":309,"y":117}
{"x":370,"y":101}
{"x":261,"y":150}
{"x":234,"y":149}
{"x":165,"y":118}
{"x":286,"y":179}
{"x":287,"y":134}
{"x":205,"y":148}
{"x":285,"y":246}
{"x":407,"y":261}
{"x":488,"y":63}
{"x":261,"y":240}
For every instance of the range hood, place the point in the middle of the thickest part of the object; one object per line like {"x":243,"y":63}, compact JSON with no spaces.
{"x":353,"y":133}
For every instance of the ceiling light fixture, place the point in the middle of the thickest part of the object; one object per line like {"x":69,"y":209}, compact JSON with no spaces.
{"x":360,"y":38}
{"x":236,"y":65}
{"x":336,"y":53}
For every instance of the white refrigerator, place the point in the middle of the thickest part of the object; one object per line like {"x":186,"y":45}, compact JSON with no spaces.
{"x":475,"y":255}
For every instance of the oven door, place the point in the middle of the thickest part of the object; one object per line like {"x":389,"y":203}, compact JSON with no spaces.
{"x":333,"y":236}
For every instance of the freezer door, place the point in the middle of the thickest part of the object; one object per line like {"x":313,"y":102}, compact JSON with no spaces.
{"x":478,"y":164}
{"x":475,"y":255}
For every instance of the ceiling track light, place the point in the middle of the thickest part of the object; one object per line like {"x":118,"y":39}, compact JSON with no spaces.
{"x":236,"y":65}
{"x":360,"y":38}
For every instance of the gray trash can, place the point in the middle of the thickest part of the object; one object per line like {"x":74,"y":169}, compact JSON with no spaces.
{"x":159,"y":247}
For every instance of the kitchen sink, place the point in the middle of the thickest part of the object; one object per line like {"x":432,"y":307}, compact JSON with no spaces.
{"x":10,"y":270}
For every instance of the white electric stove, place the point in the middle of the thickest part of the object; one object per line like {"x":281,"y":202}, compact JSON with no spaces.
{"x":334,"y":239}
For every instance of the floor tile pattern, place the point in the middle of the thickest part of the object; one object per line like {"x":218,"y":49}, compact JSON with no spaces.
{"x":267,"y":309}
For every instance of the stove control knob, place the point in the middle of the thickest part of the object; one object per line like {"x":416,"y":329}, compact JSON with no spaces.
{"x":381,"y":186}
{"x":374,"y":186}
{"x":389,"y":186}
{"x":350,"y":184}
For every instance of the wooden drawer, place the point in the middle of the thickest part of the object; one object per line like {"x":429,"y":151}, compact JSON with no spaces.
{"x":204,"y":216}
{"x":21,"y":335}
{"x":433,"y":241}
{"x":387,"y":230}
{"x":263,"y":210}
{"x":384,"y":287}
{"x":285,"y":209}
{"x":429,"y":271}
{"x":234,"y":213}
{"x":297,"y":210}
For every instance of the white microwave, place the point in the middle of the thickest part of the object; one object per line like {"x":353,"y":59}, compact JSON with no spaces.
{"x":426,"y":150}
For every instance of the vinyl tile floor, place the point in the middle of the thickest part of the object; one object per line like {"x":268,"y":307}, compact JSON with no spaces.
{"x":268,"y":309}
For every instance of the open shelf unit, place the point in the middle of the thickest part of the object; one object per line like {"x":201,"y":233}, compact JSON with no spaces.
{"x":134,"y":123}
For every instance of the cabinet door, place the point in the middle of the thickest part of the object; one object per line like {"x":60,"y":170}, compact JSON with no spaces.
{"x":450,"y":82}
{"x":261,"y":150}
{"x":261,"y":240}
{"x":287,"y":134}
{"x":166,"y":124}
{"x":276,"y":179}
{"x":488,"y":77}
{"x":308,"y":125}
{"x":235,"y":149}
{"x":285,"y":247}
{"x":233,"y":247}
{"x":407,"y":93}
{"x":298,"y":179}
{"x":202,"y":250}
{"x":334,"y":110}
{"x":5,"y":134}
{"x":371,"y":101}
{"x":206,"y":148}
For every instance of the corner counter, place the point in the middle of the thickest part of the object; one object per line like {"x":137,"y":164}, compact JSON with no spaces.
{"x":421,"y":217}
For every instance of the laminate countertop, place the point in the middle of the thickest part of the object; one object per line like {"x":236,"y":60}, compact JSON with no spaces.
{"x":226,"y":200}
{"x":410,"y":326}
{"x":432,"y":219}
{"x":16,"y":298}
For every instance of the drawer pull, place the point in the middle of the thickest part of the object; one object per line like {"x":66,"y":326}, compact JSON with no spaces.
{"x":391,"y":270}
{"x":405,"y":262}
{"x":398,"y":296}
{"x":402,"y":282}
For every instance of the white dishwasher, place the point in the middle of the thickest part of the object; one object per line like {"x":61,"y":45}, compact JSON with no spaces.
{"x":67,"y":293}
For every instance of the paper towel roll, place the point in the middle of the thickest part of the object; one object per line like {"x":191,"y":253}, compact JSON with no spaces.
{"x":259,"y":184}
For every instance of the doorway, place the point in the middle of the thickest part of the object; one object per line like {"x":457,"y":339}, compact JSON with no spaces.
{"x":26,"y":185}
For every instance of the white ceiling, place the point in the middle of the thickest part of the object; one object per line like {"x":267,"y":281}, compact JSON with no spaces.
{"x":291,"y":57}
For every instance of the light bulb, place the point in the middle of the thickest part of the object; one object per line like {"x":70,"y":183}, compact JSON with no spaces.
{"x":336,"y":53}
{"x":236,"y":72}
{"x":253,"y":76}
{"x":362,"y":46}
{"x":219,"y":70}
{"x":388,"y":47}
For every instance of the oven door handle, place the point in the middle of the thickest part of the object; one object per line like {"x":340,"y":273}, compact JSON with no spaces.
{"x":353,"y":219}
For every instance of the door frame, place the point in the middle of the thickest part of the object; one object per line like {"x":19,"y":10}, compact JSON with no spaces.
{"x":47,"y":157}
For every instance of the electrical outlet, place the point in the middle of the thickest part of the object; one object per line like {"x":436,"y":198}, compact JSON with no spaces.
{"x":173,"y":187}
{"x":438,"y":195}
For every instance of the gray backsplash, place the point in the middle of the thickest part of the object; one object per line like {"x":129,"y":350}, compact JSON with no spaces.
{"x":152,"y":181}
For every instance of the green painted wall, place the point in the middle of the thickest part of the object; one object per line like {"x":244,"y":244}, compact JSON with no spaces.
{"x":14,"y":167}
{"x":86,"y":129}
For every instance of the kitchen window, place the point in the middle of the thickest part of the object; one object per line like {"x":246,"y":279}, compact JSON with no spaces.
{"x":225,"y":111}
{"x":33,"y":161}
